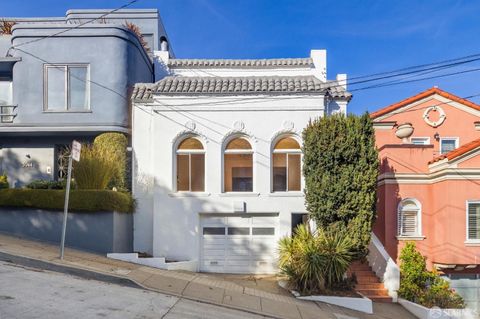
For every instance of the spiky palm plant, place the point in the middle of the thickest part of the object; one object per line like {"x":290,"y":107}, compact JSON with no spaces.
{"x":313,"y":261}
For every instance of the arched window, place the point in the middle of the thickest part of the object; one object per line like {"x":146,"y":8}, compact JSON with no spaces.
{"x":238,"y":166}
{"x":286,"y":165}
{"x":409,"y":218}
{"x":190,"y":166}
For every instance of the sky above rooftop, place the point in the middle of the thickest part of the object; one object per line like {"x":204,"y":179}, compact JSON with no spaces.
{"x":361,"y":36}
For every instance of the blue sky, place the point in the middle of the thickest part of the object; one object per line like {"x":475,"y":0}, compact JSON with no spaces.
{"x":361,"y":36}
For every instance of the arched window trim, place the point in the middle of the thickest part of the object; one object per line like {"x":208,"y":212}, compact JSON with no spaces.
{"x":178,"y":151}
{"x":225,"y":151}
{"x":274,"y":143}
{"x":400,"y":211}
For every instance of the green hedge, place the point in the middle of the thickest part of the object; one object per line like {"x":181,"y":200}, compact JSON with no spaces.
{"x":80,"y":200}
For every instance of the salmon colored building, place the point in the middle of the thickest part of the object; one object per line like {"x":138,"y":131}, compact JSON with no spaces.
{"x":429,"y":182}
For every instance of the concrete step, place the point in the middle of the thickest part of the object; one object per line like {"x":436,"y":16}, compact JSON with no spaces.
{"x":372,"y":292}
{"x":386,"y":299}
{"x":368,"y":280}
{"x":376,"y":285}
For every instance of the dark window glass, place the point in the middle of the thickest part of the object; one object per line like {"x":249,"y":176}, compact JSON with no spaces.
{"x":214,"y":230}
{"x":183,"y":172}
{"x":263,"y":231}
{"x":279,"y":172}
{"x":238,"y":231}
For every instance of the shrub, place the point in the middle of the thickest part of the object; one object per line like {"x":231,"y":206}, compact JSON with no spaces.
{"x":340,"y":166}
{"x":425,"y":287}
{"x":314,"y":261}
{"x":4,"y":181}
{"x":46,"y":184}
{"x":115,"y":145}
{"x":80,"y":200}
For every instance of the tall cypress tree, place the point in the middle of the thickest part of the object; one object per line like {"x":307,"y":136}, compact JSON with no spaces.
{"x":340,"y":166}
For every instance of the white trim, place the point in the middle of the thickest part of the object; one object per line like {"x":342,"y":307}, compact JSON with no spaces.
{"x":227,"y":139}
{"x":418,"y":211}
{"x":438,"y":97}
{"x":470,"y":241}
{"x":188,"y":152}
{"x":434,"y":177}
{"x":239,"y":194}
{"x":275,"y":140}
{"x":67,"y":107}
{"x":407,"y":238}
{"x":425,"y":138}
{"x":455,"y":138}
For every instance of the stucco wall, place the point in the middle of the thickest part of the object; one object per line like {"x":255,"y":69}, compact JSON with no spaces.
{"x":101,"y":232}
{"x":171,"y":220}
{"x":116,"y":60}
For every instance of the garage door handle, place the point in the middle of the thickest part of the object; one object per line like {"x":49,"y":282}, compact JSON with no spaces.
{"x":214,"y":263}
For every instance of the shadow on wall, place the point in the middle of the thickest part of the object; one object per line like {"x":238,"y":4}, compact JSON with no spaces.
{"x":20,"y":170}
{"x":386,"y":224}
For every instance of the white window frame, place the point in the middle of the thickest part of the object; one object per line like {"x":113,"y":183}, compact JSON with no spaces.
{"x":238,"y":151}
{"x":469,"y":240}
{"x":419,"y":234}
{"x":67,"y":108}
{"x":286,"y":151}
{"x":424,"y":138}
{"x":457,"y":142}
{"x":189,"y":153}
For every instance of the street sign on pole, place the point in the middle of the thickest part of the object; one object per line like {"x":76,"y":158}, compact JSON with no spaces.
{"x":76,"y":149}
{"x":75,"y":154}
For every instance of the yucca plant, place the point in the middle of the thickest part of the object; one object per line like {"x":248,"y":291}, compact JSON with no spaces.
{"x":313,"y":261}
{"x":95,"y":169}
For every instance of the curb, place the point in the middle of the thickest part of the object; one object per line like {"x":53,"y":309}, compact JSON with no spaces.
{"x":82,"y":273}
{"x":112,"y":279}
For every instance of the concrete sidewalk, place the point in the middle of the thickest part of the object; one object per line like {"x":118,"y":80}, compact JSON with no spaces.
{"x":192,"y":286}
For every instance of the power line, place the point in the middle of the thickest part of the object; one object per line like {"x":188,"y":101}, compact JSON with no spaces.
{"x":415,"y":80}
{"x":77,"y":26}
{"x":417,"y":66}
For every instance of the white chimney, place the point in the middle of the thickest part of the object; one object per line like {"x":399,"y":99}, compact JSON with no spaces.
{"x":319,"y":58}
{"x":342,"y":80}
{"x":160,"y":59}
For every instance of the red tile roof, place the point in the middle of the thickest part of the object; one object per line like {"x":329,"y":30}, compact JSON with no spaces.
{"x":410,"y":100}
{"x":458,"y":152}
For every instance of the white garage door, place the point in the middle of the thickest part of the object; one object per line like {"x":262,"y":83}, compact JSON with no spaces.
{"x":233,"y":244}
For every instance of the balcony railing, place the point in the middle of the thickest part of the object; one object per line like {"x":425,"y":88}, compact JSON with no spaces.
{"x":7,"y":113}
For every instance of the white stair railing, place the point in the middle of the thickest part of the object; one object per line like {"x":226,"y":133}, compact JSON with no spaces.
{"x":384,"y":267}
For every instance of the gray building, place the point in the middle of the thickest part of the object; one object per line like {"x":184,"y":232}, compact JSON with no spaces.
{"x":63,"y":79}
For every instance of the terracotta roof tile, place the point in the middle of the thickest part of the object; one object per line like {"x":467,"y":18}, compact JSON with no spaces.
{"x":458,"y":151}
{"x":423,"y":95}
{"x":238,"y":85}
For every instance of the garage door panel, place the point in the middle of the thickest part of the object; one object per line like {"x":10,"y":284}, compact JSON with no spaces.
{"x":246,"y":245}
{"x":214,"y":252}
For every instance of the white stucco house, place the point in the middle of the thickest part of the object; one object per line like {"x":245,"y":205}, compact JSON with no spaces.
{"x":217,"y":157}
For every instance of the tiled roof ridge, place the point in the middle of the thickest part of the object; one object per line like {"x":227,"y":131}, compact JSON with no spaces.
{"x":465,"y":148}
{"x":240,"y":63}
{"x":424,"y":94}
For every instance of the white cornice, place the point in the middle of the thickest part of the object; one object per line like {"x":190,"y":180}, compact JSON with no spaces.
{"x":412,"y":178}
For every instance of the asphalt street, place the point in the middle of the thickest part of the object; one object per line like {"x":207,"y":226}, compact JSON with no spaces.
{"x":29,"y":293}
